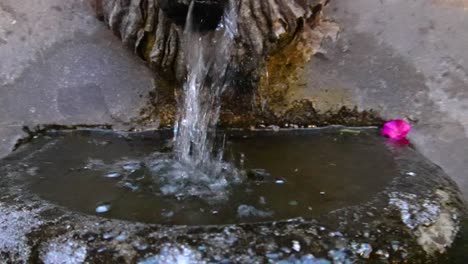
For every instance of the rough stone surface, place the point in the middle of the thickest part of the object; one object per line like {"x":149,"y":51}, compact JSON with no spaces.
{"x":404,"y":60}
{"x":60,"y":65}
{"x":150,"y":28}
{"x":413,"y":220}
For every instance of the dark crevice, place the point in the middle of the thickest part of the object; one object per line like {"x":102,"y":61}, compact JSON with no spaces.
{"x":43,"y":129}
{"x":206,"y":14}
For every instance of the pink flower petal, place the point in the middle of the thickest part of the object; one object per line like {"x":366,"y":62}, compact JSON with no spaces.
{"x":396,"y":129}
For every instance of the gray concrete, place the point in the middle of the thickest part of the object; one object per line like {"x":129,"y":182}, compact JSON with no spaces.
{"x":60,"y":65}
{"x":405,"y":59}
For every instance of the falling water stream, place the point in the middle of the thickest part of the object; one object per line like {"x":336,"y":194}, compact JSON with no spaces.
{"x":207,"y":57}
{"x":196,"y":167}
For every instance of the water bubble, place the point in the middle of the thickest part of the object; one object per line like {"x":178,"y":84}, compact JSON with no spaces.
{"x":202,"y":248}
{"x":261,"y":200}
{"x":293,"y":203}
{"x":280,"y":181}
{"x":103,"y":208}
{"x":366,"y":234}
{"x":140,"y":246}
{"x":382,"y":253}
{"x":107,"y":236}
{"x":130,"y":186}
{"x":364,"y":250}
{"x":167,"y":213}
{"x":410,"y":173}
{"x":112,"y":175}
{"x":322,"y":193}
{"x":335,"y":234}
{"x":395,"y":245}
{"x":121,"y":237}
{"x":131,"y":167}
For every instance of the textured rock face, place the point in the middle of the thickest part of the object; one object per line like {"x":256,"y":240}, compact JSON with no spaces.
{"x":154,"y":29}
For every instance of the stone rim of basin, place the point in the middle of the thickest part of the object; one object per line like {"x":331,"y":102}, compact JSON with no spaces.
{"x":415,"y":218}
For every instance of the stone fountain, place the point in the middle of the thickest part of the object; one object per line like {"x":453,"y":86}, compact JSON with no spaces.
{"x":254,"y":53}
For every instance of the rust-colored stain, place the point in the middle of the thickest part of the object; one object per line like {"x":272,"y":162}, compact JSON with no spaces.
{"x":283,"y":76}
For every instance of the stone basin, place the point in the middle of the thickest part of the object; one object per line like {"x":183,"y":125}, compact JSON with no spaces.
{"x":414,"y":217}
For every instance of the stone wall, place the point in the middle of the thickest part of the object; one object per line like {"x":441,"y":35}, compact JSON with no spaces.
{"x":405,"y":60}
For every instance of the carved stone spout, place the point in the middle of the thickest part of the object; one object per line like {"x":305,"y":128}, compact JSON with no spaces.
{"x":153,"y":28}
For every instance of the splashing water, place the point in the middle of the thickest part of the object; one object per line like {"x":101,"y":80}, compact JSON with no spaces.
{"x":207,"y":58}
{"x":197,"y":169}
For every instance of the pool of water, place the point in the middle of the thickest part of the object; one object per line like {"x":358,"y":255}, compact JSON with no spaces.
{"x":271,"y":175}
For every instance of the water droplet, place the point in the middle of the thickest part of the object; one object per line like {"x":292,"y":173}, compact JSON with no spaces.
{"x":107,"y":236}
{"x":202,"y":248}
{"x":103,"y":208}
{"x":322,"y":193}
{"x":366,"y":234}
{"x":296,"y":246}
{"x":121,"y":237}
{"x":411,"y":173}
